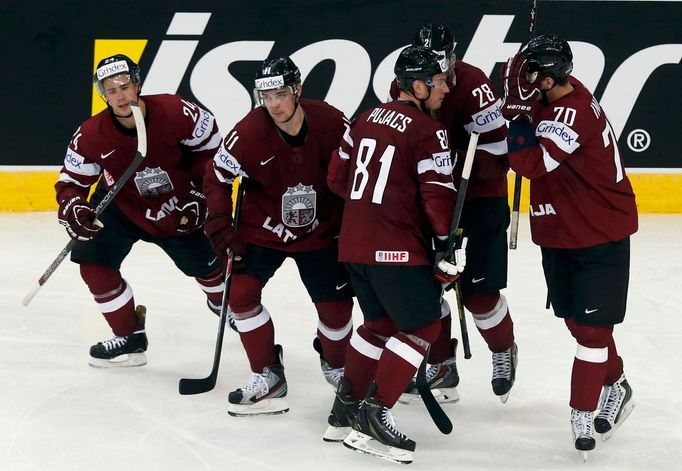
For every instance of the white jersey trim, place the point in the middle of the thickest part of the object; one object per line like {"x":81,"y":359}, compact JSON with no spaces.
{"x":494,"y":148}
{"x":550,"y":162}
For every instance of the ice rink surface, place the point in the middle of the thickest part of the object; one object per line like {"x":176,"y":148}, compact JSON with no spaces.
{"x":57,"y":413}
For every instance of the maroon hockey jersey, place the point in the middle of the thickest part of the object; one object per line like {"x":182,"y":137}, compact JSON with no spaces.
{"x":394,"y":170}
{"x":181,"y":139}
{"x":288,"y":205}
{"x":473,"y":105}
{"x":580,"y":195}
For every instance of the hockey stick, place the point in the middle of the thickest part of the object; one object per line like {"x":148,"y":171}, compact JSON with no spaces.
{"x":455,"y":232}
{"x":140,"y":154}
{"x":189,"y":386}
{"x":438,"y":415}
{"x":460,"y":311}
{"x":518,"y":180}
{"x":435,"y":410}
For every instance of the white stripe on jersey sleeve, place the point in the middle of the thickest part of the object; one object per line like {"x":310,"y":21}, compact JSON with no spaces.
{"x":494,"y":148}
{"x":449,"y":185}
{"x":212,"y":144}
{"x":343,"y":155}
{"x":550,"y":163}
{"x":486,"y":120}
{"x":75,"y":163}
{"x":440,"y":162}
{"x":202,"y":129}
{"x":560,"y":134}
{"x":66,"y":178}
{"x":227,"y":162}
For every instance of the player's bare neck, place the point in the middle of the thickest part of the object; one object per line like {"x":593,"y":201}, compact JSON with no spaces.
{"x":559,"y":91}
{"x":408,"y":97}
{"x":293,"y":126}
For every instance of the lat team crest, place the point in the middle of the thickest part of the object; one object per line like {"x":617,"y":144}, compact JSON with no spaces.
{"x":299,"y":205}
{"x":153,"y":182}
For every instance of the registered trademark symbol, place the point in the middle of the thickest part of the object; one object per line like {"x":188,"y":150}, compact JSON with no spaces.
{"x":639,"y":140}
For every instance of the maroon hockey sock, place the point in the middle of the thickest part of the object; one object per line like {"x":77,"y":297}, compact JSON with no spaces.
{"x":443,"y":347}
{"x":492,"y":319}
{"x":334,"y":330}
{"x":113,"y":295}
{"x":362,"y":358}
{"x":258,"y":337}
{"x":212,"y":285}
{"x":399,"y":362}
{"x":586,"y":384}
{"x":614,"y":367}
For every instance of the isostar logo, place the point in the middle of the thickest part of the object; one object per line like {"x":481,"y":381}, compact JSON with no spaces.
{"x":212,"y":84}
{"x":268,"y":83}
{"x":107,"y":70}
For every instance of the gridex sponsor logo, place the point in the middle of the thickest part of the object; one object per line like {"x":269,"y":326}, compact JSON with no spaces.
{"x":565,"y":133}
{"x":229,"y":100}
{"x":108,"y":70}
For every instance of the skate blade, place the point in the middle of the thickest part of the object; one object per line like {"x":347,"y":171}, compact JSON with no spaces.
{"x":624,"y":415}
{"x":121,"y":361}
{"x":336,"y":434}
{"x":505,"y":397}
{"x":265,"y":407}
{"x":358,"y":441}
{"x":442,"y":395}
{"x":584,"y":455}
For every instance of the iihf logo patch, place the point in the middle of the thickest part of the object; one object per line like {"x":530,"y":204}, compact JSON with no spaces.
{"x":299,"y":205}
{"x":152,"y":182}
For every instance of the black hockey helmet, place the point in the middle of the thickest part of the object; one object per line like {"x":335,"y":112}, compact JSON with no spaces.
{"x":115,"y":65}
{"x":437,"y":37}
{"x":417,"y":63}
{"x":548,"y":55}
{"x":276,"y":73}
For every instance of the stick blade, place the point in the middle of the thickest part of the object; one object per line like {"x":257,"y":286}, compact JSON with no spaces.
{"x":188,"y":386}
{"x":31,"y":294}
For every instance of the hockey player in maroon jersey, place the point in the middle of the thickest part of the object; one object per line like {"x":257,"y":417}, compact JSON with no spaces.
{"x":282,"y":148}
{"x":582,"y":213}
{"x":161,"y":204}
{"x":472,"y":105}
{"x":394,"y":169}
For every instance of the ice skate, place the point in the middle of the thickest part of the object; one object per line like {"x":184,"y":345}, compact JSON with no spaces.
{"x":342,"y":414}
{"x":581,"y":426}
{"x":331,"y":374}
{"x":615,"y":406}
{"x":373,"y":432}
{"x":264,"y":395}
{"x":504,"y":372}
{"x":442,"y":379}
{"x":122,"y":351}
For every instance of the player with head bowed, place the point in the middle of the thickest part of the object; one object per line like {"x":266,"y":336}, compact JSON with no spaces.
{"x":470,"y":106}
{"x":394,"y":170}
{"x":161,"y":204}
{"x":582,"y":213}
{"x":281,"y":149}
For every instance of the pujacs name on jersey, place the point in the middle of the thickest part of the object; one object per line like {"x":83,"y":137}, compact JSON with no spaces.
{"x":391,"y":118}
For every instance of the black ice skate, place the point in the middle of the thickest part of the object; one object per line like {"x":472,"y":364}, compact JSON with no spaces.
{"x":373,"y":432}
{"x":615,"y":406}
{"x":264,"y":395}
{"x":504,"y":372}
{"x":122,"y":351}
{"x":581,"y":426}
{"x":442,"y":379}
{"x":342,"y":414}
{"x":331,"y":374}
